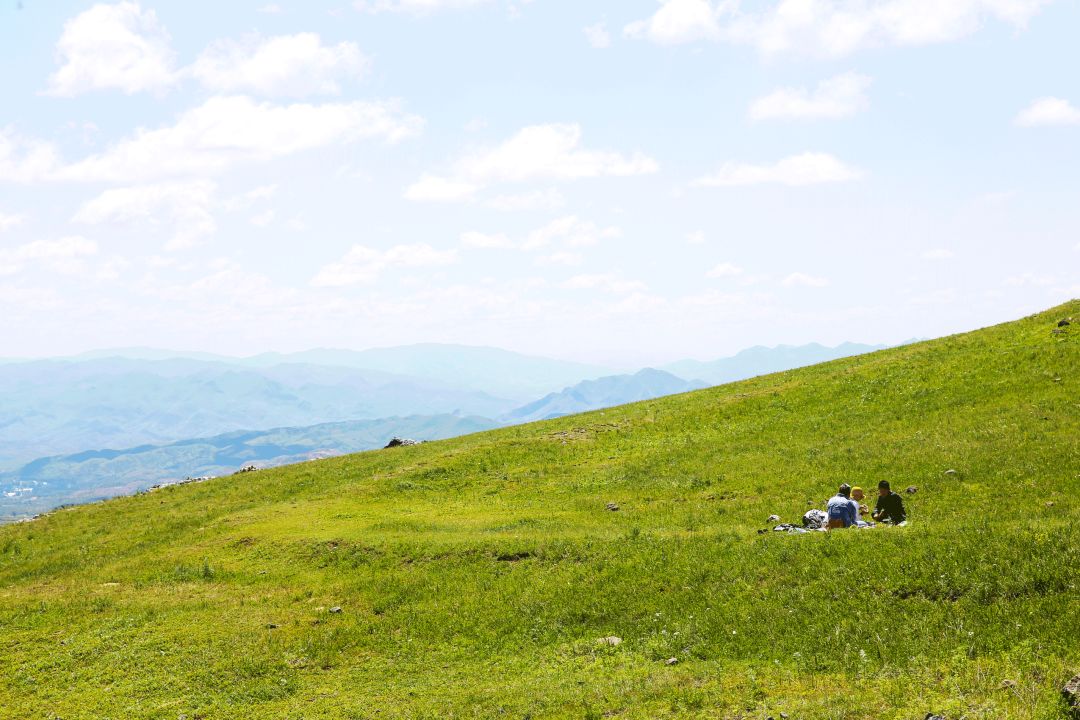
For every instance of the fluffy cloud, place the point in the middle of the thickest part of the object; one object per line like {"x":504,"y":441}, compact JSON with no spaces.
{"x":550,"y":199}
{"x":432,"y":188}
{"x":838,"y":97}
{"x":1049,"y":111}
{"x":225,"y":131}
{"x":289,"y":65}
{"x":25,"y":159}
{"x":797,"y":170}
{"x":63,"y":256}
{"x":598,"y":36}
{"x":564,"y":237}
{"x":473,"y":239}
{"x":9,"y":221}
{"x":678,"y":22}
{"x":538,"y":152}
{"x":571,"y":232}
{"x":725,"y":269}
{"x":798,"y":279}
{"x":120,"y":46}
{"x":604,"y":281}
{"x":416,"y":7}
{"x":364,"y":264}
{"x":827,"y":27}
{"x":182,"y":208}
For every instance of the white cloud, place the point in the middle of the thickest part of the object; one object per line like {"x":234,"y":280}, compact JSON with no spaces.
{"x":432,"y":188}
{"x":550,"y":199}
{"x":285,"y":65}
{"x":798,"y":279}
{"x":225,"y":131}
{"x":271,"y":9}
{"x":9,"y":221}
{"x":120,"y":46}
{"x":364,"y":264}
{"x":678,"y":22}
{"x":838,"y":97}
{"x":415,"y":7}
{"x":725,"y":269}
{"x":560,"y":257}
{"x":63,"y":255}
{"x":571,"y":231}
{"x":797,"y":170}
{"x":696,"y":237}
{"x":475,"y":239}
{"x":598,"y":36}
{"x":538,"y":152}
{"x":184,"y":209}
{"x":829,"y":28}
{"x":938,"y":254}
{"x":24,"y":159}
{"x":1049,"y":111}
{"x":604,"y":281}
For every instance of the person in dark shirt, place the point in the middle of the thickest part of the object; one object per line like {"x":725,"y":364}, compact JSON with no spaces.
{"x":890,"y":506}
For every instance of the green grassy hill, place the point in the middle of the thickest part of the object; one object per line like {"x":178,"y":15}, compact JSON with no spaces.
{"x":475,"y":576}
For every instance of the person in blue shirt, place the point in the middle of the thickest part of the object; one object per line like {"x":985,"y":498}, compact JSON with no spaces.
{"x":842,"y":510}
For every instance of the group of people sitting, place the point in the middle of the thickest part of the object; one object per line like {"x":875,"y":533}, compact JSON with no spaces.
{"x":845,"y":509}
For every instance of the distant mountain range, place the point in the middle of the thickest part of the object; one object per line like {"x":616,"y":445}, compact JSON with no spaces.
{"x":50,"y":407}
{"x":764,"y":360}
{"x":203,"y":414}
{"x":602,"y":393}
{"x":483,"y":369}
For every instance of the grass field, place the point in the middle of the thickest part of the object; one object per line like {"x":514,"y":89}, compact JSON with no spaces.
{"x":475,"y":576}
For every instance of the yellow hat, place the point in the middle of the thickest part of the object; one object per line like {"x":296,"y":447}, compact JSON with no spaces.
{"x":856,"y":488}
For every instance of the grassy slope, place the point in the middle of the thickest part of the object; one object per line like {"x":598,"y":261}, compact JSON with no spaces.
{"x":476,"y":574}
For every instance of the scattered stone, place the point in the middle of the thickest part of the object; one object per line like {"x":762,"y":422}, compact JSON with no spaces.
{"x":933,"y":716}
{"x":336,"y":610}
{"x":783,"y":716}
{"x":671,"y":661}
{"x":773,"y":518}
{"x":952,"y":472}
{"x":1071,"y":693}
{"x":271,"y":626}
{"x":613,"y":507}
{"x":400,"y":442}
{"x":1050,"y":503}
{"x":611,"y":640}
{"x":912,"y":490}
{"x":1006,"y":684}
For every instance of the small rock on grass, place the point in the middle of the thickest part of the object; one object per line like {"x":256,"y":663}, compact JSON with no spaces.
{"x":671,"y":661}
{"x":336,"y":609}
{"x":271,"y":626}
{"x":613,"y":507}
{"x":1006,"y":684}
{"x":912,"y":490}
{"x":951,"y":472}
{"x":1071,"y":693}
{"x":773,"y":518}
{"x":934,"y":716}
{"x":611,"y":640}
{"x":1050,"y":503}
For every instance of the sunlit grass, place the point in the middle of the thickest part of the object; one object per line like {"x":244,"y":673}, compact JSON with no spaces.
{"x":475,"y":576}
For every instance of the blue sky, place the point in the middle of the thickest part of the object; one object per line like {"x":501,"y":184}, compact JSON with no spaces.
{"x":624,"y":182}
